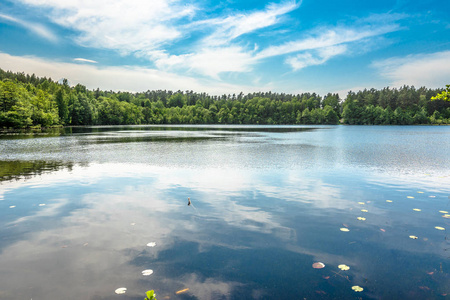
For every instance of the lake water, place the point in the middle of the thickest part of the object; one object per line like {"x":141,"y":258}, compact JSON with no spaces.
{"x":84,"y":211}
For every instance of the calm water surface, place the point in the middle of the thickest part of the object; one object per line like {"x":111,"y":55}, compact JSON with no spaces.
{"x":79,"y":206}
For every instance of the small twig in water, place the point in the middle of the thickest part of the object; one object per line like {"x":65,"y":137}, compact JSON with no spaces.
{"x":345,"y":277}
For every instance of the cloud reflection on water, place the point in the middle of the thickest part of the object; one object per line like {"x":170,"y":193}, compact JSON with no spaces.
{"x":229,"y":204}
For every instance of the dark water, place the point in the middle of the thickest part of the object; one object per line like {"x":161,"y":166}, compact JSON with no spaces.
{"x":78,"y":207}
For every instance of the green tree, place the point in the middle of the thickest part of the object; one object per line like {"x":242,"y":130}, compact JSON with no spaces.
{"x":62,"y":103}
{"x":444,"y":95}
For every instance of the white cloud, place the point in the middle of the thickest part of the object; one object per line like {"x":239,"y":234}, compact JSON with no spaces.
{"x":149,"y":29}
{"x":234,"y":26}
{"x":431,"y":70}
{"x":146,"y":28}
{"x":327,"y":38}
{"x":316,"y":57}
{"x":36,"y":28}
{"x":208,"y":61}
{"x":118,"y":24}
{"x":125,"y":78}
{"x":85,"y":60}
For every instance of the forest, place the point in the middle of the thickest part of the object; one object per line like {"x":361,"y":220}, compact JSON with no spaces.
{"x":30,"y":101}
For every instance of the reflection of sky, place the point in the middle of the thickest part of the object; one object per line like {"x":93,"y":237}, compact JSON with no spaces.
{"x":265,"y":207}
{"x":245,"y":227}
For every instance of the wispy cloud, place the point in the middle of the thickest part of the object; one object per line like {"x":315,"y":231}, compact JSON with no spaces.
{"x":324,"y":43}
{"x":230,"y":27}
{"x":148,"y":29}
{"x":35,"y":28}
{"x":125,"y":78}
{"x":216,"y":53}
{"x":117,"y":24}
{"x":177,"y":38}
{"x":208,"y":61}
{"x":85,"y":60}
{"x":317,"y":57}
{"x":431,"y":70}
{"x":328,"y":37}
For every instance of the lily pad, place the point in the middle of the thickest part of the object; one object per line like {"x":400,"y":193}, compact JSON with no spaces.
{"x":121,"y":290}
{"x":318,"y":265}
{"x":439,"y":228}
{"x":147,"y":272}
{"x":357,"y":288}
{"x":344,"y":267}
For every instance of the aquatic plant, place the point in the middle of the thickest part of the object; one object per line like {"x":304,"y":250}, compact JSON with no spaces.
{"x":150,"y":295}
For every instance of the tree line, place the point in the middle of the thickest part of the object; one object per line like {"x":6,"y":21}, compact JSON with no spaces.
{"x":27,"y":101}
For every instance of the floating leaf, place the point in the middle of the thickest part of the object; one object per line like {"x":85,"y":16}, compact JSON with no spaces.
{"x":413,"y":237}
{"x":42,"y":204}
{"x":344,"y":267}
{"x":318,"y":265}
{"x":344,"y":229}
{"x":447,"y":216}
{"x":357,"y":288}
{"x":147,"y":272}
{"x":132,"y":224}
{"x":439,"y":228}
{"x":432,"y":196}
{"x":121,"y":290}
{"x":364,"y":210}
{"x":382,"y":229}
{"x":443,"y":212}
{"x":410,"y":197}
{"x":361,"y":218}
{"x":151,"y":244}
{"x":362,"y":203}
{"x":12,"y":206}
{"x":389,"y":201}
{"x":417,"y":209}
{"x":420,"y":192}
{"x":182,"y":291}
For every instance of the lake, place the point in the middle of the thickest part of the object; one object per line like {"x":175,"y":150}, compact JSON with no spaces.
{"x":277,"y":212}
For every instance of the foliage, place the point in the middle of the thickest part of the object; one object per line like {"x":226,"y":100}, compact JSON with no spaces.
{"x":445,"y":95}
{"x":32,"y":101}
{"x":150,"y":295}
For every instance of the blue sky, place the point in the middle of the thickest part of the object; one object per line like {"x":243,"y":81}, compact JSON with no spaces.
{"x":225,"y":47}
